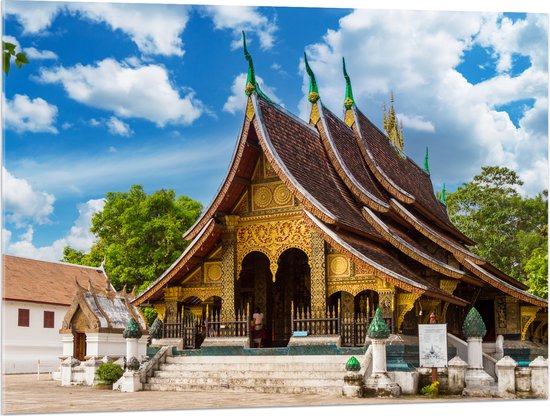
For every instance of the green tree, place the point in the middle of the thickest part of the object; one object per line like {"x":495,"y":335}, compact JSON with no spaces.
{"x":9,"y":52}
{"x":507,"y":227}
{"x":139,"y":235}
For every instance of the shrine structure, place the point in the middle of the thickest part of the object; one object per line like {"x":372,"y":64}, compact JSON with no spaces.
{"x":329,"y":219}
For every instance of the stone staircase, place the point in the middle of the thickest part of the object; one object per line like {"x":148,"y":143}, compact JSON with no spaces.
{"x":317,"y":374}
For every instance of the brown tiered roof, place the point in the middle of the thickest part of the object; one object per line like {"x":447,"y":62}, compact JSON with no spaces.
{"x":339,"y":174}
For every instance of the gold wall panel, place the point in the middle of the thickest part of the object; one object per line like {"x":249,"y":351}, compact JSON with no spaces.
{"x":352,"y":286}
{"x":271,"y":195}
{"x":338,"y":266}
{"x":212,"y":272}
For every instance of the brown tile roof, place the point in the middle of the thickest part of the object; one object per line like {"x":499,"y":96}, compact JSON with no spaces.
{"x":345,"y":144}
{"x":299,"y":147}
{"x":46,"y":282}
{"x":386,"y":265}
{"x":402,"y":171}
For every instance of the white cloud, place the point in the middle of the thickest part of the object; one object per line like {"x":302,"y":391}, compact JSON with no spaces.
{"x":415,"y":55}
{"x":239,"y":18}
{"x":236,"y":102}
{"x":143,"y":91}
{"x":416,"y":123}
{"x":33,"y":16}
{"x":23,"y":114}
{"x":33,"y":53}
{"x":23,"y":204}
{"x":79,"y":236}
{"x":118,"y":127}
{"x":155,"y":29}
{"x":66,"y":125}
{"x":12,"y":40}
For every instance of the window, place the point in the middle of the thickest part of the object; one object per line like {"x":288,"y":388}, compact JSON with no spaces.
{"x":49,"y":319}
{"x":23,"y":317}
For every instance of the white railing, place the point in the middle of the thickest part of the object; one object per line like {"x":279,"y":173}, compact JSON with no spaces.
{"x":489,"y":363}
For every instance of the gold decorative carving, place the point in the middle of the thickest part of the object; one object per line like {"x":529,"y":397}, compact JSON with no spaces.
{"x":349,"y":119}
{"x":216,"y":253}
{"x":175,"y":294}
{"x":212,"y":272}
{"x":231,"y":222}
{"x":282,"y":195}
{"x":272,"y":238}
{"x":405,"y":303}
{"x":270,"y":195}
{"x":262,"y":197}
{"x":317,"y":270}
{"x":242,"y":205}
{"x":249,"y":109}
{"x":193,"y":278}
{"x":338,"y":265}
{"x":269,"y":172}
{"x":314,"y":115}
{"x":386,"y":302}
{"x":448,"y":285}
{"x":528,"y":315}
{"x":353,"y":287}
{"x":228,"y":274}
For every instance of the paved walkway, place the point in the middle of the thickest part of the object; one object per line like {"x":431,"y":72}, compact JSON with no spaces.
{"x":26,"y":394}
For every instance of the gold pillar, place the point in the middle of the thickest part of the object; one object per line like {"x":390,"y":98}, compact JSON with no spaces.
{"x":228,"y":267}
{"x":528,"y":316}
{"x":317,"y":269}
{"x":405,"y":303}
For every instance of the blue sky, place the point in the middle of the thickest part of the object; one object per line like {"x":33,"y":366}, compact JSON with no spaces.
{"x":118,"y":94}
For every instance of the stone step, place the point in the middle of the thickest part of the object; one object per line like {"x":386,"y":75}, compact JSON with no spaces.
{"x":246,"y":382}
{"x":244,"y":366}
{"x":236,"y":374}
{"x":262,"y":359}
{"x":336,"y":391}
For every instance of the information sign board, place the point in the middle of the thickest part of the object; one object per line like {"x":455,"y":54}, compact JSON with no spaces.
{"x":432,"y":345}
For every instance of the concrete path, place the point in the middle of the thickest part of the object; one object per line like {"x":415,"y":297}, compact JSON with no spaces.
{"x":26,"y":394}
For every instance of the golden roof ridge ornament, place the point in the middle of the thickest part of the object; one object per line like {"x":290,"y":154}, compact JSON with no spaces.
{"x":349,"y":102}
{"x":393,"y":127}
{"x":313,"y":95}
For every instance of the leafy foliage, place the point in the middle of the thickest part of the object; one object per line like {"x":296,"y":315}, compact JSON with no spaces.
{"x":9,"y":52}
{"x":537,"y":272}
{"x":150,"y":315}
{"x":108,"y":373}
{"x":430,"y":390}
{"x":507,"y":227}
{"x":139,"y":235}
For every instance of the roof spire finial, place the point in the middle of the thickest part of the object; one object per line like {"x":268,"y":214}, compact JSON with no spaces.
{"x":251,"y":78}
{"x":251,"y":84}
{"x":313,"y":95}
{"x":426,"y":165}
{"x":348,"y":101}
{"x":393,"y":127}
{"x":443,"y":196}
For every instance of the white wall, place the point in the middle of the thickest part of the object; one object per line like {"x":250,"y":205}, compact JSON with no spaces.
{"x":22,"y":347}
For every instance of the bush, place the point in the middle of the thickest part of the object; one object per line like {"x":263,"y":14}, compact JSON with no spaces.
{"x":431,"y":390}
{"x":108,"y":373}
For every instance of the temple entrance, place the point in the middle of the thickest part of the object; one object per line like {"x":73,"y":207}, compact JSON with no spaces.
{"x":255,"y":289}
{"x":79,"y":346}
{"x":292,"y":285}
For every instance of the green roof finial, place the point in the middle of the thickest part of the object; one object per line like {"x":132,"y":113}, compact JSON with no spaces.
{"x":251,"y":84}
{"x":426,"y":165}
{"x":313,"y":91}
{"x":443,"y":195}
{"x":378,"y":329}
{"x":348,"y":101}
{"x":353,"y":364}
{"x":251,"y":78}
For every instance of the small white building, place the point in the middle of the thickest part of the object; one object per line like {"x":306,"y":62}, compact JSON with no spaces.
{"x":36,"y":296}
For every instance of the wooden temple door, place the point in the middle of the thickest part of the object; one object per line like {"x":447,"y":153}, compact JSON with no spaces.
{"x":79,"y":346}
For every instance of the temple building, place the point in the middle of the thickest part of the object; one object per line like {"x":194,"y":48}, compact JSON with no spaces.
{"x":331,"y":218}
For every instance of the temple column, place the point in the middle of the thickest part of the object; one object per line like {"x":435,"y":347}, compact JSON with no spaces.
{"x":386,"y":301}
{"x":317,"y":270}
{"x":171,"y":304}
{"x":228,"y":267}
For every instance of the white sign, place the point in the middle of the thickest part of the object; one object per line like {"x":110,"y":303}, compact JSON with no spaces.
{"x":432,"y":345}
